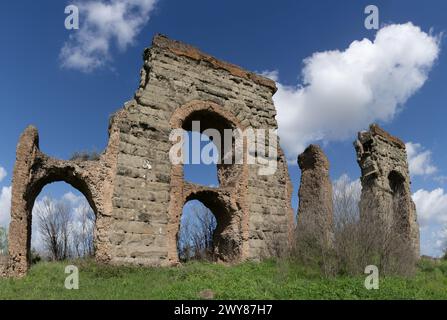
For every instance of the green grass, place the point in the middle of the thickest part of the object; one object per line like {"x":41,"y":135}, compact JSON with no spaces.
{"x":266,"y":280}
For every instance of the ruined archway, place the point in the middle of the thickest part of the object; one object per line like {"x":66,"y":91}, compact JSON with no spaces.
{"x":386,"y":194}
{"x":197,"y":170}
{"x":196,"y":235}
{"x":227,"y":238}
{"x":33,"y":171}
{"x":137,"y":191}
{"x":210,"y":119}
{"x":43,"y":172}
{"x":226,"y":201}
{"x":399,"y":203}
{"x":63,"y":224}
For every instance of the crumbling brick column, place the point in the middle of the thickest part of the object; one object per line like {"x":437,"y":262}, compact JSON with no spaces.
{"x":315,"y":212}
{"x":386,"y":195}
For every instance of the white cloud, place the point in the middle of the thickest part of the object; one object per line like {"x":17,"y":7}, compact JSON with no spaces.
{"x":2,"y":173}
{"x":5,"y":206}
{"x":346,"y":196}
{"x":441,"y":242}
{"x":344,"y":184}
{"x":419,"y":160}
{"x":102,"y":23}
{"x":72,"y":198}
{"x":344,"y":91}
{"x":431,"y":206}
{"x":440,"y":179}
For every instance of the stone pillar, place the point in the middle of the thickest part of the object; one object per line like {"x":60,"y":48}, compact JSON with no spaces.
{"x":386,"y":195}
{"x":19,"y":228}
{"x":4,"y":266}
{"x":315,"y":212}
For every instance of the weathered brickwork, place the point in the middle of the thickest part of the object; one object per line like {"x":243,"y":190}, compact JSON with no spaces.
{"x":386,"y":193}
{"x":315,"y":211}
{"x":138,"y":195}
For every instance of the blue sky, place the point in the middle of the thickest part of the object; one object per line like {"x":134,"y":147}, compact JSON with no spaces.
{"x":71,"y":107}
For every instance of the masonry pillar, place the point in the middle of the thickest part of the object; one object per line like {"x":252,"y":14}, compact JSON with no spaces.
{"x":315,"y":212}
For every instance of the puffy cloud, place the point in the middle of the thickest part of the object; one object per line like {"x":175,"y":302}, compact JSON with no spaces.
{"x":344,"y":91}
{"x":431,"y":206}
{"x":344,"y":184}
{"x":5,"y":206}
{"x":441,"y":242}
{"x":101,"y":24}
{"x":440,"y":179}
{"x":73,"y":199}
{"x":419,"y":160}
{"x":2,"y":173}
{"x":346,"y":197}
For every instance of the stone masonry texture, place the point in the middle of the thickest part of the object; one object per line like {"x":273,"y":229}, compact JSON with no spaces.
{"x":385,"y":182}
{"x":138,"y":193}
{"x":315,"y":211}
{"x":135,"y":191}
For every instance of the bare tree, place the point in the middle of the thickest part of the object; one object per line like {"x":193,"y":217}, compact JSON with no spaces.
{"x":357,"y":242}
{"x":82,"y":232}
{"x":196,"y":234}
{"x":346,"y":197}
{"x":53,"y":219}
{"x":3,"y":241}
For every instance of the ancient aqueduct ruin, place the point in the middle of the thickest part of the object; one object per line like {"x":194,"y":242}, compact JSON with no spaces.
{"x":138,"y":195}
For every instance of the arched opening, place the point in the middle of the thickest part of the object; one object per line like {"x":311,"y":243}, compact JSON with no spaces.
{"x":225,"y":198}
{"x":397,"y":186}
{"x":214,"y":144}
{"x":224,"y":244}
{"x":197,"y":227}
{"x":62,"y":224}
{"x":200,"y":159}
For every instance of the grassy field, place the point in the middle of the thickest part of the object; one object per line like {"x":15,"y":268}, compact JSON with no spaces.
{"x":266,"y":280}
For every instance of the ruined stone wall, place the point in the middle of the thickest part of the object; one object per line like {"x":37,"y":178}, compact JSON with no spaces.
{"x":4,"y":260}
{"x":386,"y":193}
{"x":315,"y":211}
{"x":138,"y":195}
{"x":34,"y":170}
{"x":179,"y":84}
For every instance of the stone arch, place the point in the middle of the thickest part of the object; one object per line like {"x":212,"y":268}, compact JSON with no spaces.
{"x":399,"y":197}
{"x":397,"y":182}
{"x":227,"y":236}
{"x":182,"y":114}
{"x":54,"y":172}
{"x":211,"y":116}
{"x":60,"y":173}
{"x":228,"y":201}
{"x":32,"y":172}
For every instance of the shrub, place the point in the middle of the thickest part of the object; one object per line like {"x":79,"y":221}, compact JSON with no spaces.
{"x":85,"y":156}
{"x":35,"y":257}
{"x":356,"y":243}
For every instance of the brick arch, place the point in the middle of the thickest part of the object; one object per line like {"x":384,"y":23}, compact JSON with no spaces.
{"x":139,"y":193}
{"x":59,"y":171}
{"x":227,"y":237}
{"x":227,"y":202}
{"x":181,"y":115}
{"x":32,"y":172}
